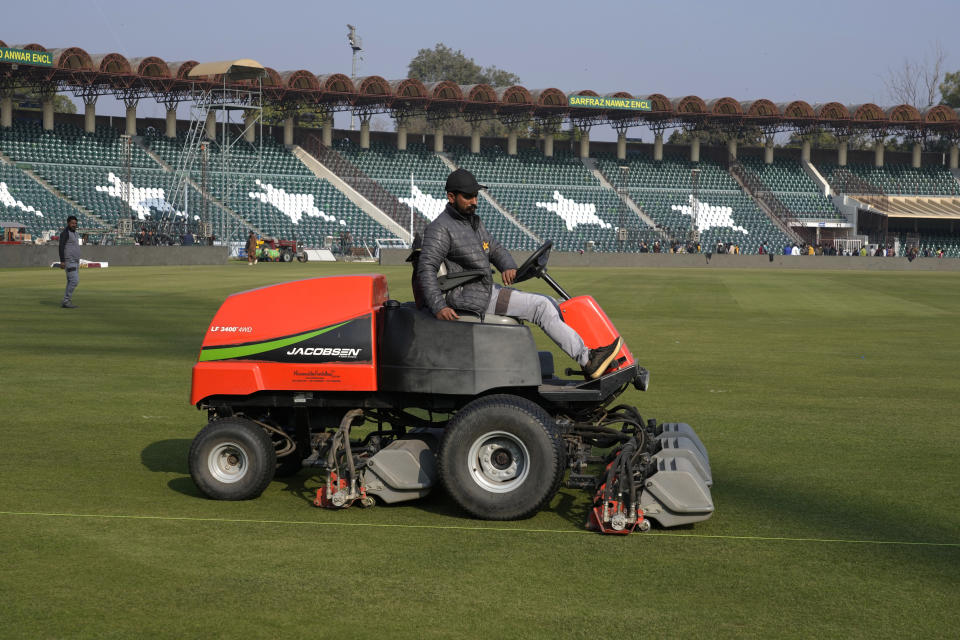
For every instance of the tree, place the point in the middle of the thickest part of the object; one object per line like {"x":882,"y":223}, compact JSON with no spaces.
{"x":717,"y":137}
{"x":306,"y":117}
{"x":30,"y":99}
{"x":916,"y":82}
{"x":823,"y":139}
{"x":950,"y":90}
{"x":443,"y":63}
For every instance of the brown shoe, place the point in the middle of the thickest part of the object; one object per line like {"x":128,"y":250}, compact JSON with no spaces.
{"x":600,"y":359}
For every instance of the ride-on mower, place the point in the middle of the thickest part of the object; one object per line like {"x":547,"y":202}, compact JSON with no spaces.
{"x":471,"y":404}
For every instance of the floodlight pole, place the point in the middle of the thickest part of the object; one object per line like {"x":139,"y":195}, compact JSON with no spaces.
{"x":356,"y":45}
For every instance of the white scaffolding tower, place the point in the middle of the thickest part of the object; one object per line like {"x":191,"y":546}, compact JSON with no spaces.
{"x":213,"y":111}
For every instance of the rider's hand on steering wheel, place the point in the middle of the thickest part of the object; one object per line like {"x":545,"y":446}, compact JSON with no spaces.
{"x":509,"y":276}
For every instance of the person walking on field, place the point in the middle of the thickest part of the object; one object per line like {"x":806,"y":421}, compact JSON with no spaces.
{"x":458,"y":239}
{"x":251,"y":249}
{"x":70,"y":260}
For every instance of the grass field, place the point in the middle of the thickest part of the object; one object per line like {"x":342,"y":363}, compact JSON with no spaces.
{"x":828,"y":402}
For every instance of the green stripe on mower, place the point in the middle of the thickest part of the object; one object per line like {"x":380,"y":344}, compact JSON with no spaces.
{"x":226,"y":353}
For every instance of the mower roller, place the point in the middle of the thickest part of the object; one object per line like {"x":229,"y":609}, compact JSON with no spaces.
{"x":286,"y":372}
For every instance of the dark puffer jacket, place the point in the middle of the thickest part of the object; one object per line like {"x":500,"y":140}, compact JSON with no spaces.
{"x":461,"y":243}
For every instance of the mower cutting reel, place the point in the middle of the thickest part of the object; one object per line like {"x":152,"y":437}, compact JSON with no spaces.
{"x":288,"y":372}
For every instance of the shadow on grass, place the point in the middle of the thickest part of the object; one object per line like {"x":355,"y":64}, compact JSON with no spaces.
{"x":170,"y":456}
{"x":185,"y":486}
{"x":167,"y":456}
{"x":305,"y":483}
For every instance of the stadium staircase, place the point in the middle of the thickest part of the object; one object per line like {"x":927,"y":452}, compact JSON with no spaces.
{"x":624,"y":196}
{"x":323,"y":172}
{"x":365,"y":185}
{"x":26,"y":201}
{"x":801,"y":195}
{"x":768,"y":201}
{"x":93,"y":218}
{"x":21,"y":145}
{"x":725,"y":213}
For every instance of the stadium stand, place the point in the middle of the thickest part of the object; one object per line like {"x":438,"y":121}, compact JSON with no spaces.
{"x":417,"y":177}
{"x":26,"y":141}
{"x":787,"y":181}
{"x":24,"y":200}
{"x":277,"y":194}
{"x":725,"y":214}
{"x":892,"y":179}
{"x":535,"y":197}
{"x":949,"y":244}
{"x":556,"y":197}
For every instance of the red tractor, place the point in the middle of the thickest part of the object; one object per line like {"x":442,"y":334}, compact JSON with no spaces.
{"x":471,"y":404}
{"x":286,"y":250}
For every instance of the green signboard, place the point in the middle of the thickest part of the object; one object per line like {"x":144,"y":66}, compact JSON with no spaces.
{"x":21,"y":56}
{"x":601,"y":102}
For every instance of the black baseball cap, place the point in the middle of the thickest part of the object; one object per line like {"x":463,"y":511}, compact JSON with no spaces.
{"x":462,"y":181}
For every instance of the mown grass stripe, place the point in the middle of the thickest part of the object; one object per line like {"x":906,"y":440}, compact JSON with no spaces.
{"x":374,"y":525}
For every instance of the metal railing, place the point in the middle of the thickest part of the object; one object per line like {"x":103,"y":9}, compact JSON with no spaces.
{"x":776,"y":210}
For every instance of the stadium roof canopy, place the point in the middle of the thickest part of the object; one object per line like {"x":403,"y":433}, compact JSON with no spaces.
{"x":927,"y":207}
{"x":91,"y":75}
{"x":235,"y":70}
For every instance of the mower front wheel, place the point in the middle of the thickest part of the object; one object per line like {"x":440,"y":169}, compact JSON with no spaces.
{"x":501,"y":458}
{"x":232,"y":459}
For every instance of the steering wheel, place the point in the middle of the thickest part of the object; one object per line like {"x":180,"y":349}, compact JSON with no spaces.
{"x":536,"y":264}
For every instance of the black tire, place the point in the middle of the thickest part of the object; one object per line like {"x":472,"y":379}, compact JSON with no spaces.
{"x":232,"y":459}
{"x":286,"y":256}
{"x":302,"y":256}
{"x":524,"y":460}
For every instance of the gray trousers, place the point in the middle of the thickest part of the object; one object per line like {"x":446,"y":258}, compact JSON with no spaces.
{"x":542,"y":311}
{"x":73,"y":278}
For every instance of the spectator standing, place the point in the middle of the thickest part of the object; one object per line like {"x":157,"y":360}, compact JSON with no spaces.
{"x":70,"y":260}
{"x":251,"y":249}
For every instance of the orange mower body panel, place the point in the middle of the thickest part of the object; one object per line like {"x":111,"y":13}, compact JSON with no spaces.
{"x":308,"y":335}
{"x":585,"y":316}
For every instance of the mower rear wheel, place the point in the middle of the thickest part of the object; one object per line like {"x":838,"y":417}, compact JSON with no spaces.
{"x":501,"y":458}
{"x":232,"y":459}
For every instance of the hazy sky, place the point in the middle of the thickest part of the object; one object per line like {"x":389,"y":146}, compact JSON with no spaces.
{"x":814,"y":50}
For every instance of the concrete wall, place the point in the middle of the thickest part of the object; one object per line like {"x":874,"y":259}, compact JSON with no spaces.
{"x":126,"y":256}
{"x":394,"y":257}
